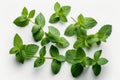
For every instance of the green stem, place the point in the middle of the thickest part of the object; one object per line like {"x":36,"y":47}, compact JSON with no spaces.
{"x":73,"y":19}
{"x":32,"y":21}
{"x":44,"y":57}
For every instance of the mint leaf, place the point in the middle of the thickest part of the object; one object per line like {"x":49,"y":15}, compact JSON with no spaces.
{"x":102,"y":61}
{"x":80,"y":54}
{"x":62,"y":43}
{"x":24,"y":12}
{"x":31,"y":14}
{"x":39,"y":62}
{"x":88,"y":61}
{"x":97,"y":54}
{"x":96,"y":69}
{"x":57,"y":7}
{"x":63,"y":18}
{"x":21,"y":21}
{"x":81,"y":19}
{"x":35,"y":29}
{"x":54,"y":31}
{"x":70,"y":56}
{"x":20,"y":57}
{"x":42,"y":51}
{"x":18,"y":43}
{"x":39,"y":35}
{"x":79,"y":43}
{"x":45,"y":41}
{"x":54,"y":51}
{"x":104,"y":32}
{"x":66,"y":10}
{"x":40,"y":20}
{"x":31,"y":50}
{"x":70,"y":30}
{"x":13,"y":50}
{"x":60,"y":58}
{"x":54,"y":18}
{"x":55,"y":66}
{"x":89,"y":22}
{"x":76,"y":69}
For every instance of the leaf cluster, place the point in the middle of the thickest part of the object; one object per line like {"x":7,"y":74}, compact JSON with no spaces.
{"x":60,"y":14}
{"x":80,"y":30}
{"x":79,"y":61}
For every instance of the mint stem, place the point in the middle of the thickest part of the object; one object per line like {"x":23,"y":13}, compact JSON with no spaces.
{"x":44,"y":57}
{"x":73,"y":19}
{"x":32,"y":22}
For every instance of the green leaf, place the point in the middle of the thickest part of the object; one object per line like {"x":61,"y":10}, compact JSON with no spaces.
{"x":54,"y":51}
{"x":70,"y":56}
{"x":39,"y":35}
{"x":55,"y":66}
{"x":13,"y":50}
{"x":57,"y":7}
{"x":24,"y":12}
{"x":79,"y":43}
{"x":70,"y":30}
{"x":31,"y":14}
{"x":80,"y":54}
{"x":40,"y":20}
{"x":42,"y":51}
{"x":20,"y":57}
{"x":102,"y":61}
{"x":54,"y":18}
{"x":97,"y":54}
{"x":76,"y":69}
{"x":21,"y":21}
{"x":96,"y":69}
{"x":60,"y":58}
{"x":66,"y":10}
{"x":81,"y":19}
{"x":62,"y":43}
{"x":89,"y":22}
{"x":31,"y":50}
{"x":39,"y":62}
{"x":35,"y":29}
{"x":88,"y":61}
{"x":104,"y":32}
{"x":80,"y":31}
{"x":45,"y":41}
{"x":54,"y":31}
{"x":18,"y":41}
{"x":91,"y":39}
{"x":63,"y":18}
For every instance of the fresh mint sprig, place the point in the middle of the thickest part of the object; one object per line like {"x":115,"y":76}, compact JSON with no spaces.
{"x":60,"y":13}
{"x":39,"y":23}
{"x":54,"y":36}
{"x":80,"y":61}
{"x":80,"y":30}
{"x":23,"y":52}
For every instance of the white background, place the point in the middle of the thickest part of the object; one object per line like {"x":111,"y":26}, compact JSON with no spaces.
{"x":104,"y":11}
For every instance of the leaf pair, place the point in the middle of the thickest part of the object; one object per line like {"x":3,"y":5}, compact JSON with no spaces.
{"x":25,"y":17}
{"x":41,"y":59}
{"x":54,"y":36}
{"x":57,"y":59}
{"x":37,"y":29}
{"x":60,"y":13}
{"x":98,"y":62}
{"x":23,"y":52}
